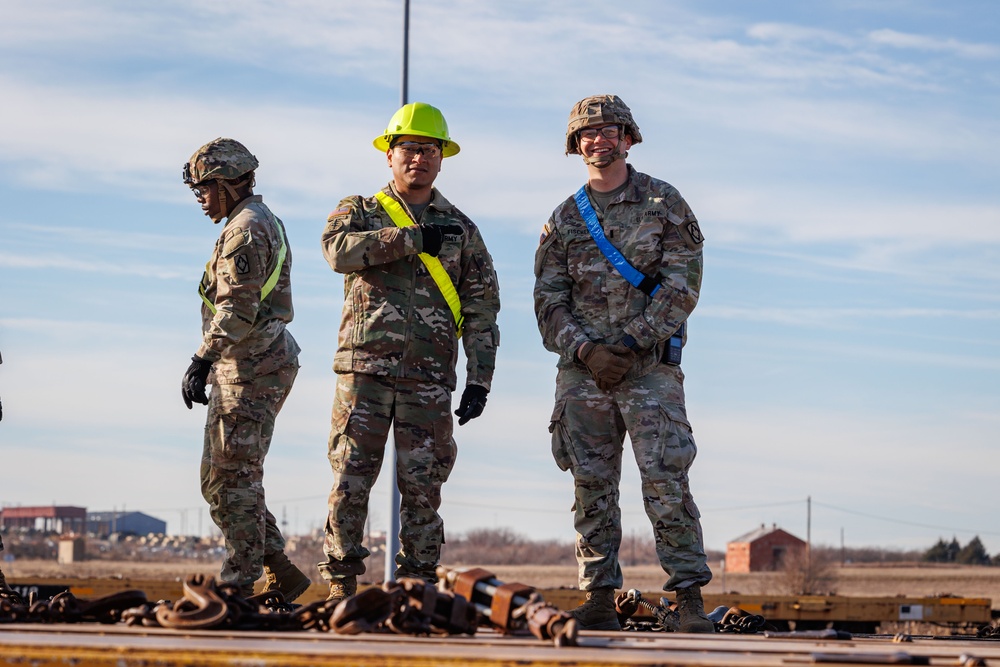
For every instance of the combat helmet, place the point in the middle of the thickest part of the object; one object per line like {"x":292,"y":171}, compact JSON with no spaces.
{"x":221,"y":159}
{"x":421,"y":120}
{"x":599,"y":110}
{"x":226,"y":161}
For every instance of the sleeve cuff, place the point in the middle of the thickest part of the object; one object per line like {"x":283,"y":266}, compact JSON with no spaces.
{"x":641,"y":333}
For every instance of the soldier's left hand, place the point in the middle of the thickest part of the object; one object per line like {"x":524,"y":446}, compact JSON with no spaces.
{"x":193,"y":384}
{"x":472,"y":403}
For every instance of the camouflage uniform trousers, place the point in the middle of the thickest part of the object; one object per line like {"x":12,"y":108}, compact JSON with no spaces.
{"x":237,"y":438}
{"x":588,"y":433}
{"x":420,"y":415}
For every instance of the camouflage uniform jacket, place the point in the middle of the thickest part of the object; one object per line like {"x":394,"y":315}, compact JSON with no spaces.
{"x":395,"y":321}
{"x":246,"y":336}
{"x":580,"y":296}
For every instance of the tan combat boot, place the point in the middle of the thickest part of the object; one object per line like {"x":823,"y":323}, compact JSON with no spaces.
{"x":284,"y":577}
{"x":342,"y":588}
{"x":598,"y":612}
{"x":691,"y":608}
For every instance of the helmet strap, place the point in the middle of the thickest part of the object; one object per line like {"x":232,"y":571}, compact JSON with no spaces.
{"x":605,"y":161}
{"x":221,"y":196}
{"x":231,"y":188}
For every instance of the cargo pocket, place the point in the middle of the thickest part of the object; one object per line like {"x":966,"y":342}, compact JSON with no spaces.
{"x":560,"y":441}
{"x":690,"y":506}
{"x":339,"y":444}
{"x":243,"y":399}
{"x":677,"y":447}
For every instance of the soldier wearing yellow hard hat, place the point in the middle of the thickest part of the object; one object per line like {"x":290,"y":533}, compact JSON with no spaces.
{"x":418,"y":120}
{"x":418,"y":283}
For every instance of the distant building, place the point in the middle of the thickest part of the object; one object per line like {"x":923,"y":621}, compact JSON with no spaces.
{"x":102,"y":524}
{"x":762,"y":550}
{"x":49,"y":518}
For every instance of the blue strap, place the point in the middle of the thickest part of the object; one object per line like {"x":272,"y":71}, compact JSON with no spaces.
{"x":635,"y":277}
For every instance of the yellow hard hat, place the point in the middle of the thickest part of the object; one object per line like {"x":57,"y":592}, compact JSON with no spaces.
{"x":421,"y":120}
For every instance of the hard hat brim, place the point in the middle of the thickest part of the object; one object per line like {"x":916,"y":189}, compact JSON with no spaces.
{"x":449,"y":148}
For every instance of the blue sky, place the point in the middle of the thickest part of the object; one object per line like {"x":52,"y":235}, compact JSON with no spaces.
{"x":842,"y":158}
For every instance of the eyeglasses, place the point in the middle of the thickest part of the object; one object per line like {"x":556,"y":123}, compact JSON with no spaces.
{"x":608,"y":132}
{"x":200,"y":191}
{"x":411,"y":149}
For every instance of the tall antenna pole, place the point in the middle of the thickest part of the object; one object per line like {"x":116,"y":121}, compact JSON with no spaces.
{"x":405,"y":86}
{"x":392,"y":529}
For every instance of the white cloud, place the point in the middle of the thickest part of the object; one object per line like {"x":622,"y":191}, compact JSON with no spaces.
{"x":790,"y":33}
{"x":902,"y":40}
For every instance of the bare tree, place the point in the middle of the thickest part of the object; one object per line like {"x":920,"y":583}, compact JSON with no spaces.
{"x":810,"y":573}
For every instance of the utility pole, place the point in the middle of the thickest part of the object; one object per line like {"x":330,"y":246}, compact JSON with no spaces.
{"x":392,"y":531}
{"x":809,"y":538}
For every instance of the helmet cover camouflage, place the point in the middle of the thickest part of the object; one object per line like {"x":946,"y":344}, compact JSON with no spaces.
{"x":225,"y":159}
{"x":599,"y":110}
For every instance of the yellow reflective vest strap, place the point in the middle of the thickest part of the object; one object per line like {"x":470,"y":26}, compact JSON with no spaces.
{"x":433,"y":264}
{"x":272,"y":279}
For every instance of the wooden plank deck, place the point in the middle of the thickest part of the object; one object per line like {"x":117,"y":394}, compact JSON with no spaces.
{"x":91,"y":645}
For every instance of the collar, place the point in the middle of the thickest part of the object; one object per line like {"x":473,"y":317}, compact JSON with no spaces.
{"x":437,"y":201}
{"x":252,"y":199}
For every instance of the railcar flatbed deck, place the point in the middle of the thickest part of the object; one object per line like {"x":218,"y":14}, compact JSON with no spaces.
{"x":93,"y":645}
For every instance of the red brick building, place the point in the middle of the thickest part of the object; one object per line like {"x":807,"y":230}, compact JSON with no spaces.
{"x":50,"y":518}
{"x":762,"y":550}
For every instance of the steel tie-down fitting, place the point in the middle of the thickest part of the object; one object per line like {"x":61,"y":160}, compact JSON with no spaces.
{"x":201,"y":606}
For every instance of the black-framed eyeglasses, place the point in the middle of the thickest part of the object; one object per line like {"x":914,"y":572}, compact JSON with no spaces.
{"x":608,"y":132}
{"x":411,"y":149}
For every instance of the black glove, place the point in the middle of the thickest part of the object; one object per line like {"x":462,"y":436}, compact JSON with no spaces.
{"x":472,"y":403}
{"x":193,"y":384}
{"x":434,"y":236}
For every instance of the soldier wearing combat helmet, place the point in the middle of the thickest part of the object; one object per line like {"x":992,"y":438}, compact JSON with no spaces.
{"x":249,"y":358}
{"x":418,"y":283}
{"x":617,"y":273}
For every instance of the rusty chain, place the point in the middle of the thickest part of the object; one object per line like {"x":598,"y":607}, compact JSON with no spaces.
{"x":732,"y":620}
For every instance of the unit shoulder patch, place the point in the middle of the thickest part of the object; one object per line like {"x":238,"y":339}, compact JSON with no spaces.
{"x":695,"y":231}
{"x":691,"y":233}
{"x":242,"y":264}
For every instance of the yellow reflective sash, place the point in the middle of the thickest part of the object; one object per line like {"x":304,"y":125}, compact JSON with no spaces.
{"x":433,"y":264}
{"x":272,"y":279}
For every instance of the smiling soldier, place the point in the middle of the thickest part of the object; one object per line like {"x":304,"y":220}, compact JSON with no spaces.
{"x":617,"y":273}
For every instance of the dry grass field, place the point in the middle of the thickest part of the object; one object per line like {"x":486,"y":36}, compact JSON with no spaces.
{"x":911,"y":581}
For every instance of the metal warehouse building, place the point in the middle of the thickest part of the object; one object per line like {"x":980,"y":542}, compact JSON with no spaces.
{"x":103,"y":524}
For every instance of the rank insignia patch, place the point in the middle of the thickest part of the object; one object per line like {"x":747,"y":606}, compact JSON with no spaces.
{"x":242,"y":263}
